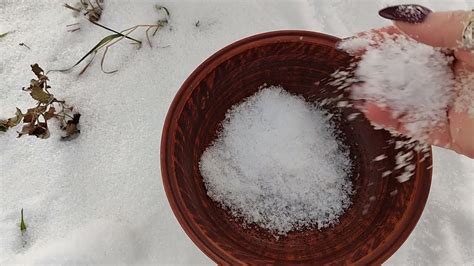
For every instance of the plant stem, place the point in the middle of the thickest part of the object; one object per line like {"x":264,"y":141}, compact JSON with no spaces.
{"x":97,"y":24}
{"x":22,"y":223}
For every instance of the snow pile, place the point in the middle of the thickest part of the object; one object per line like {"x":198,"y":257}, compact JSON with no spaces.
{"x":277,"y":163}
{"x":408,"y":78}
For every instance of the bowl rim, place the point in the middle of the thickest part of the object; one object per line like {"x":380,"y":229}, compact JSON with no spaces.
{"x":214,"y":252}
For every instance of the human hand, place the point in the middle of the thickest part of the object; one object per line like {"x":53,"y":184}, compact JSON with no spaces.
{"x":444,"y":30}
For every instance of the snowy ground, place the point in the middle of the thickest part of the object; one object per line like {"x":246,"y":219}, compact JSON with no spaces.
{"x":99,"y":199}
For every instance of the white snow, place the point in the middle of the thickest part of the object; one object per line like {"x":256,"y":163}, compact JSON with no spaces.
{"x":99,"y":198}
{"x":277,"y":163}
{"x":354,"y":45}
{"x":380,"y":158}
{"x":407,"y":77}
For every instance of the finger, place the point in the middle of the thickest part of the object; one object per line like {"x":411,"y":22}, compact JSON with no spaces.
{"x":383,"y":117}
{"x":467,"y":58}
{"x":461,"y":122}
{"x":379,"y":34}
{"x":462,"y":130}
{"x":358,"y":44}
{"x":440,"y":136}
{"x":438,"y":29}
{"x":464,"y":83}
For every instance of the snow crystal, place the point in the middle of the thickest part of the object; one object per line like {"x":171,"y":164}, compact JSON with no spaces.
{"x":410,"y":79}
{"x":412,"y":12}
{"x":352,"y":116}
{"x":386,"y":173}
{"x":380,"y":158}
{"x":354,"y":45}
{"x":277,"y":163}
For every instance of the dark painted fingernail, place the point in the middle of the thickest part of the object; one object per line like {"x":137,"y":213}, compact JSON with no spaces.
{"x":406,"y":13}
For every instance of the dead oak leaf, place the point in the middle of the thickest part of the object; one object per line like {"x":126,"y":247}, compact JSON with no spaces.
{"x":37,"y":70}
{"x":11,"y":122}
{"x":31,"y":115}
{"x":50,"y":113}
{"x":39,"y":130}
{"x":40,"y":95}
{"x":71,"y":127}
{"x":3,"y":126}
{"x":26,"y":129}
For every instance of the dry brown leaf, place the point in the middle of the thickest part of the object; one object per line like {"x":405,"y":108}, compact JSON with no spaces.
{"x":71,"y":128}
{"x":37,"y":70}
{"x":40,"y":95}
{"x":50,"y":113}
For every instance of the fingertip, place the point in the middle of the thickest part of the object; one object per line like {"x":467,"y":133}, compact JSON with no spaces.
{"x":439,"y":29}
{"x":461,"y":132}
{"x":358,"y":44}
{"x":440,"y":136}
{"x":465,"y":58}
{"x":380,"y":115}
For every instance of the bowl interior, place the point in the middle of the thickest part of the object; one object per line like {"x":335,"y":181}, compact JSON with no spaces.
{"x":383,"y":211}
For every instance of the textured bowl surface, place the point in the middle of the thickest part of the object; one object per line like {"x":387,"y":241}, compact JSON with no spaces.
{"x":383,"y":212}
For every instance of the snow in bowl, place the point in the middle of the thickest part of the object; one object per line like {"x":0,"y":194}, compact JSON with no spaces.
{"x":383,"y":211}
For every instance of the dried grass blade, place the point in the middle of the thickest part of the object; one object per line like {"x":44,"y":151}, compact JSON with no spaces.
{"x":114,"y":31}
{"x":99,"y":45}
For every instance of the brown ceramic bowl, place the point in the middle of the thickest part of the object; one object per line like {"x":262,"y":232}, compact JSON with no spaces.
{"x":384,"y":211}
